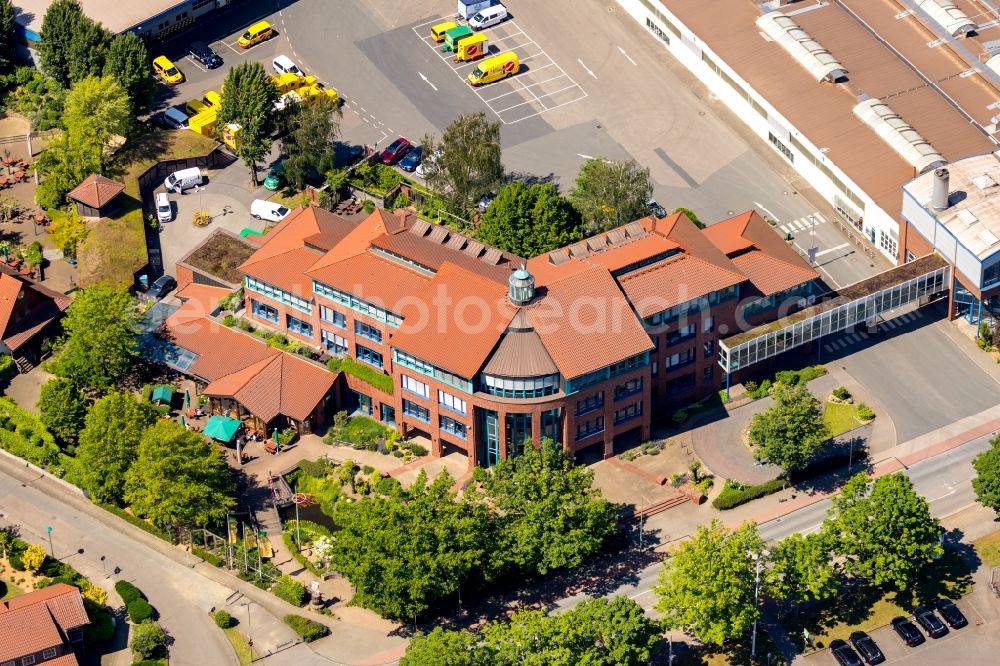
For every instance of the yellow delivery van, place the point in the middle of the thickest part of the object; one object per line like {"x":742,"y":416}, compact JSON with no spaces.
{"x":438,"y":30}
{"x":472,"y":48}
{"x":255,"y":34}
{"x":494,"y":69}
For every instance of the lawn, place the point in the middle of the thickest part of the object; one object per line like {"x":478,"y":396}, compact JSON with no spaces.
{"x":244,"y":652}
{"x":988,"y":549}
{"x":8,"y":590}
{"x":841,"y":417}
{"x":115,"y":249}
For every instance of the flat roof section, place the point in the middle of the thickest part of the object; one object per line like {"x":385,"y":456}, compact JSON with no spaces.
{"x":115,"y":15}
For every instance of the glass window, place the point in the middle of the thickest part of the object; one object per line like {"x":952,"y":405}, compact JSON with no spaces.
{"x":518,"y":432}
{"x":335,"y":344}
{"x":413,"y":386}
{"x":296,"y":325}
{"x":589,"y":428}
{"x":367,"y":331}
{"x":418,"y":412}
{"x":388,"y":414}
{"x":590,"y":403}
{"x":369,"y":356}
{"x":278,"y":294}
{"x":709,"y":324}
{"x":628,"y":413}
{"x":520,"y":387}
{"x":709,"y":348}
{"x":332,"y":316}
{"x":631,"y":387}
{"x":707,"y":374}
{"x":681,"y":334}
{"x":424,"y":368}
{"x":450,"y":425}
{"x":264,"y":311}
{"x":680,"y":359}
{"x":451,"y":402}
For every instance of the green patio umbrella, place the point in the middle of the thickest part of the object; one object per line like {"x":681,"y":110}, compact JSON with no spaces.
{"x":187,"y":399}
{"x":182,"y":421}
{"x":222,"y":428}
{"x":162,"y":394}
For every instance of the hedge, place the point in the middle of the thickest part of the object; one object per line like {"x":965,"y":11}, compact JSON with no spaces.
{"x":22,"y":434}
{"x":139,"y":611}
{"x":7,"y":368}
{"x":211,"y":558}
{"x":370,"y":376}
{"x":290,"y":590}
{"x":734,"y":494}
{"x":289,"y":540}
{"x":308,"y":630}
{"x":128,"y":592}
{"x":135,"y":520}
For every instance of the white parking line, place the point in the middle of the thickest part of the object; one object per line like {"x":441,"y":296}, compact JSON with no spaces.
{"x":232,"y":48}
{"x":195,"y":63}
{"x":575,"y":99}
{"x":554,"y":78}
{"x":431,"y":22}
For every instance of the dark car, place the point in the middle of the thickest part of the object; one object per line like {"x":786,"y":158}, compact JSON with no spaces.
{"x":844,"y":655}
{"x":396,"y":150}
{"x":658,"y":211}
{"x":907,"y":631}
{"x":933,"y":625}
{"x":867,"y":648}
{"x":161,"y":287}
{"x":412,"y":159}
{"x":949,"y":611}
{"x":204,"y":54}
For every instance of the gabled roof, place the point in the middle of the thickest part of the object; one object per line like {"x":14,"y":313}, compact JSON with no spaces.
{"x":771,"y":275}
{"x":674,"y":281}
{"x":96,"y":191}
{"x":39,"y":620}
{"x":26,"y":307}
{"x":377,"y":280}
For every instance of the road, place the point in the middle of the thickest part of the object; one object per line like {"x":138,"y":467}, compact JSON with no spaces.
{"x":181,"y":595}
{"x":944,"y":480}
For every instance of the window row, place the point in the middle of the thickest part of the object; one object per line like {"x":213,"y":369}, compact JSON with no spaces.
{"x":521,"y":387}
{"x":285,"y":297}
{"x":425,"y":368}
{"x":590,"y":404}
{"x":631,"y":387}
{"x":413,"y":386}
{"x":628,"y":412}
{"x":357,"y":304}
{"x":418,"y":412}
{"x":589,"y":428}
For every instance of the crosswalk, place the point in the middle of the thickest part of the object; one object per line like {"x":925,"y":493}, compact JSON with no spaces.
{"x":850,"y":339}
{"x":803,"y":223}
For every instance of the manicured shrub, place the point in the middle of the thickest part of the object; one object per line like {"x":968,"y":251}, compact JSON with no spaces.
{"x":290,"y":590}
{"x":16,"y":562}
{"x":127,"y":591}
{"x":734,"y":494}
{"x":680,"y":416}
{"x":840,"y":393}
{"x":865,"y":412}
{"x":139,"y":611}
{"x":308,"y":630}
{"x":223,"y":620}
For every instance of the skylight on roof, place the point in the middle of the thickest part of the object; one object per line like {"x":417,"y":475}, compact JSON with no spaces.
{"x":898,"y":133}
{"x":967,"y":216}
{"x":804,"y":49}
{"x":988,"y":237}
{"x":984,"y":181}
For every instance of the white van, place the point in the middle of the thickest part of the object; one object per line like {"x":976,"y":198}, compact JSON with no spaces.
{"x":268,"y":210}
{"x":182,"y":180}
{"x":284,"y":65}
{"x":488,"y":17}
{"x":174,"y":118}
{"x":164,"y":213}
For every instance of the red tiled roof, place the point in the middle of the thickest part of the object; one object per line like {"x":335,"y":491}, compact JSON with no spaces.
{"x":286,"y":271}
{"x":281,"y":384}
{"x":206,"y":295}
{"x":96,"y":191}
{"x":10,"y":289}
{"x":771,"y":275}
{"x":32,"y":622}
{"x":26,"y":308}
{"x":378,"y":280}
{"x":454,"y":322}
{"x":728,"y":235}
{"x":68,"y":659}
{"x":674,"y":281}
{"x":586,"y":324}
{"x":433,"y":254}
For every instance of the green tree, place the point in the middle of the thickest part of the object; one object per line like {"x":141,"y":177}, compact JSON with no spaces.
{"x":178,"y":478}
{"x":249,"y":103}
{"x":7,"y":36}
{"x":99,"y":344}
{"x":708,"y":586}
{"x":466,"y":162}
{"x":986,"y":483}
{"x":98,"y":108}
{"x":63,"y":408}
{"x":444,"y":648}
{"x":550,"y":515}
{"x":68,"y":231}
{"x":406,"y":551}
{"x":33,"y":557}
{"x":802,"y":568}
{"x":127,"y":62}
{"x":108,"y":444}
{"x":309,"y":140}
{"x":87,"y":50}
{"x":611,"y":193}
{"x":884,"y":529}
{"x":59,"y":25}
{"x":148,"y":640}
{"x":791,"y":432}
{"x":529,"y":220}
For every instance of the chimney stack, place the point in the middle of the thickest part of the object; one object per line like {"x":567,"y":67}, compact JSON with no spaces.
{"x":939,"y":199}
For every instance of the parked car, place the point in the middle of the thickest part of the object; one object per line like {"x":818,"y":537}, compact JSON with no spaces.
{"x":485,"y":201}
{"x":204,"y":54}
{"x":907,"y":631}
{"x":951,"y":614}
{"x":412,"y":159}
{"x":255,"y":34}
{"x":396,"y":150}
{"x":844,"y":655}
{"x":275,"y":177}
{"x":161,"y":287}
{"x":268,"y":210}
{"x":933,"y":625}
{"x":425,"y":162}
{"x":282,"y":64}
{"x":174,"y":118}
{"x":167,"y":70}
{"x":658,"y":211}
{"x":866,"y":647}
{"x":164,"y":211}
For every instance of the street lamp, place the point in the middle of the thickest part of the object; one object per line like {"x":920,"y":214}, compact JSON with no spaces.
{"x":52,"y":551}
{"x":249,"y":630}
{"x":758,"y":559}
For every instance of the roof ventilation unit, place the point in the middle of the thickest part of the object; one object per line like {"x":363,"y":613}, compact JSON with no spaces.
{"x":939,"y":197}
{"x":947,"y":14}
{"x":898,"y":133}
{"x":807,"y":51}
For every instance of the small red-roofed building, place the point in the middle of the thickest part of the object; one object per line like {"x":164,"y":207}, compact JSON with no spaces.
{"x":43,"y":627}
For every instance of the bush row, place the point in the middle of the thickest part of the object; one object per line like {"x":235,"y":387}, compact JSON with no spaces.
{"x":135,"y":520}
{"x":370,"y":376}
{"x":308,"y":630}
{"x":733,"y":494}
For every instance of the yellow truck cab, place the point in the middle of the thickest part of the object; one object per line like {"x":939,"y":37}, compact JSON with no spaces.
{"x":437,"y":31}
{"x":255,"y":34}
{"x":472,"y":48}
{"x":494,"y":69}
{"x":167,"y":70}
{"x":212,"y":99}
{"x":195,"y":106}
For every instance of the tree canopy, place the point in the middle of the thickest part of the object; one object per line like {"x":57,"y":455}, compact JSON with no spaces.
{"x":791,"y":432}
{"x":249,"y":103}
{"x":708,"y":585}
{"x":311,"y":130}
{"x":63,"y":408}
{"x":99,"y":345}
{"x":108,"y":444}
{"x":529,"y":220}
{"x":178,"y":478}
{"x":443,"y":648}
{"x":986,"y":483}
{"x":73,"y":46}
{"x":127,"y":62}
{"x":802,"y":568}
{"x":884,"y":529}
{"x":611,"y":193}
{"x":7,"y":37}
{"x":466,"y":162}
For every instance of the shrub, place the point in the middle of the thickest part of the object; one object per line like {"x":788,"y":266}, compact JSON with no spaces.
{"x":734,"y":494}
{"x":211,"y":558}
{"x":96,"y":594}
{"x":139,"y":611}
{"x":840,"y":393}
{"x":33,"y":557}
{"x":7,"y":368}
{"x":865,"y":412}
{"x":368,"y":206}
{"x":314,"y":468}
{"x":388,"y":486}
{"x":308,"y":630}
{"x":680,"y":416}
{"x":223,"y":620}
{"x":128,"y":592}
{"x":148,"y":640}
{"x":290,"y":590}
{"x":367,"y":469}
{"x":228,"y":321}
{"x":760,"y":391}
{"x":705,"y":485}
{"x":16,"y":562}
{"x":415,"y":449}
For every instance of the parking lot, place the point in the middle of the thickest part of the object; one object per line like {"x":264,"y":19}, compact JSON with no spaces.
{"x":541,"y":85}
